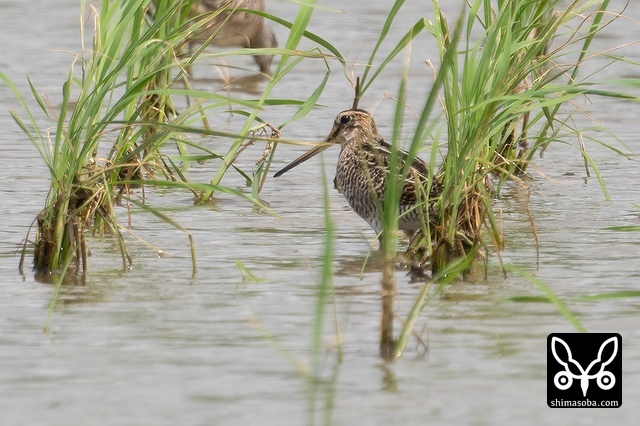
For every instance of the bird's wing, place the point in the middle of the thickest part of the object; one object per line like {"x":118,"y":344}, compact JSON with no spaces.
{"x":379,"y":154}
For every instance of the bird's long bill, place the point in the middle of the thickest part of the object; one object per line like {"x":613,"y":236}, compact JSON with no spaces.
{"x":304,"y":157}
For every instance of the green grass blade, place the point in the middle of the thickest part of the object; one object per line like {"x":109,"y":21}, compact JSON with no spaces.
{"x":551,"y":296}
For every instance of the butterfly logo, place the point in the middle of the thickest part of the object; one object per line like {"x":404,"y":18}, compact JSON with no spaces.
{"x":564,"y":379}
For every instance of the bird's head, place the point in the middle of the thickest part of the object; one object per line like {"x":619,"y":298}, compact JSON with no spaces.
{"x":352,"y":126}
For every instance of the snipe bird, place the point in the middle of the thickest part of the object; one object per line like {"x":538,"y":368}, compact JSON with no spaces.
{"x":243,"y":29}
{"x":363,"y":168}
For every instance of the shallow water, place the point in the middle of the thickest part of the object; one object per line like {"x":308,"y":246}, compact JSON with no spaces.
{"x":155,"y":346}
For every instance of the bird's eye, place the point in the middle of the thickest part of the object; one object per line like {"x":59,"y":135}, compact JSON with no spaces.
{"x":345,"y":119}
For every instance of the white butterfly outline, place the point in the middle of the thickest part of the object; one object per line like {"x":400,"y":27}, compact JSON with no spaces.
{"x":584,"y":376}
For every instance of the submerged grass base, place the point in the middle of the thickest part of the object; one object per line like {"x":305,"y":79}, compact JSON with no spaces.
{"x":438,"y":250}
{"x":86,"y":206}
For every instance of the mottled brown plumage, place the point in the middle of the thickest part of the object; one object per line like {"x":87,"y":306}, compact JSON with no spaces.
{"x":242,"y":29}
{"x":363,"y":170}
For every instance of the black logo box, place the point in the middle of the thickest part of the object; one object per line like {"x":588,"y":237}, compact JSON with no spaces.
{"x":584,"y":370}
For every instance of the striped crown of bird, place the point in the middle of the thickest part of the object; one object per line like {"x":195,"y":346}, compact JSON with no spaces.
{"x":243,"y":29}
{"x":363,"y":169}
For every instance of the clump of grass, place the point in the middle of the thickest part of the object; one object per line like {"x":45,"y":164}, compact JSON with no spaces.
{"x":500,"y":102}
{"x":502,"y":92}
{"x":116,"y":76}
{"x":118,"y":116}
{"x":123,"y":88}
